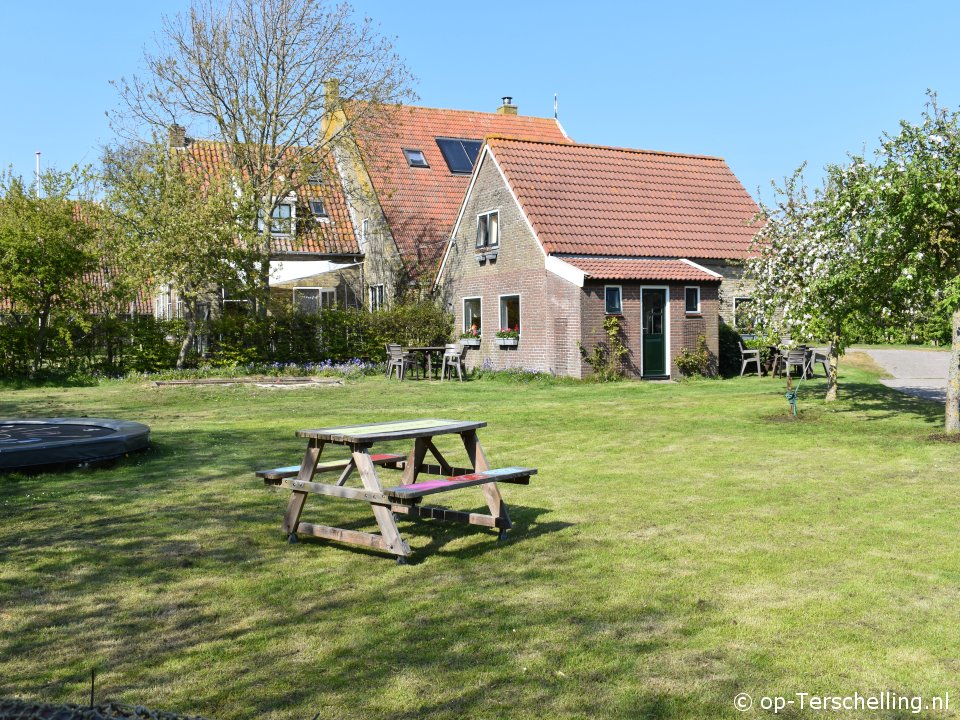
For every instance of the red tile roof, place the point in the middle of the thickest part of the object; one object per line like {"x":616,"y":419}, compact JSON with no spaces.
{"x":421,"y":204}
{"x":586,"y":199}
{"x":312,"y":237}
{"x":607,"y":268}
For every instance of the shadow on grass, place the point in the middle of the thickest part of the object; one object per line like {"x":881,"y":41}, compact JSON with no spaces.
{"x":881,"y":402}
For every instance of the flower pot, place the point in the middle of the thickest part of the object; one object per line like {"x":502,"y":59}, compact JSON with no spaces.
{"x":470,"y":342}
{"x":508,"y":342}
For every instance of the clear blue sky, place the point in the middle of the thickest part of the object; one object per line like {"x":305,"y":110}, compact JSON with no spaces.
{"x":766,"y":85}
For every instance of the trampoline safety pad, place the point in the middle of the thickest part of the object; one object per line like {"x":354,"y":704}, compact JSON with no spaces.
{"x":37,"y":442}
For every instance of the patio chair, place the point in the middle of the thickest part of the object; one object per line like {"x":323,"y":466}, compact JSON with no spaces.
{"x":747,"y":357}
{"x":797,"y":358}
{"x":453,"y":358}
{"x":823,"y":359}
{"x":399,"y":360}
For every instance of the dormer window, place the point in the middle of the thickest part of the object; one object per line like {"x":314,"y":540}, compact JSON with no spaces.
{"x":460,"y":154}
{"x":281,"y":220}
{"x":488,"y":230}
{"x":416,"y":158}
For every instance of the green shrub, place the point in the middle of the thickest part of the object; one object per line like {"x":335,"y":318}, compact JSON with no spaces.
{"x":729,"y":362}
{"x":695,"y":362}
{"x":606,"y":359}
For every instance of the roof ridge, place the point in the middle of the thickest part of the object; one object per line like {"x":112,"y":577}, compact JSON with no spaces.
{"x":592,"y":146}
{"x":401,"y":106}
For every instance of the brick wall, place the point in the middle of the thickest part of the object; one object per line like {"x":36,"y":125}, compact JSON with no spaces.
{"x":733,"y":286}
{"x":683,"y":329}
{"x":518,"y":270}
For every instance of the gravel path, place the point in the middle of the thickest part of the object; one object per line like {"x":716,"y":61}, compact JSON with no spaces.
{"x":922,"y":373}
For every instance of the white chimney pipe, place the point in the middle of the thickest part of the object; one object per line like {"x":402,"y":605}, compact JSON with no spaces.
{"x":38,"y":173}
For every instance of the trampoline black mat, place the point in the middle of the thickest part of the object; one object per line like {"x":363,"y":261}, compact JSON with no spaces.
{"x":39,"y":442}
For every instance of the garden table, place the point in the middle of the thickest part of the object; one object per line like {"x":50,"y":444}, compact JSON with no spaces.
{"x":402,"y":499}
{"x":427,"y":351}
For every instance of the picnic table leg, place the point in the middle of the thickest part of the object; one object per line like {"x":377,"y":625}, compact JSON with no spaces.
{"x":307,"y":469}
{"x":414,"y":460}
{"x":491,"y":493}
{"x":385,"y":519}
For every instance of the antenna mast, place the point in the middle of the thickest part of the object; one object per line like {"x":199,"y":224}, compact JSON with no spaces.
{"x":555,"y":106}
{"x":38,"y":173}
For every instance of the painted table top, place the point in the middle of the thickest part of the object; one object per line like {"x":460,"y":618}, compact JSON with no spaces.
{"x":395,"y":430}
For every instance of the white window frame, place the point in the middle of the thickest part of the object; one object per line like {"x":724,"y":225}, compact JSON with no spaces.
{"x":519,"y":298}
{"x":687,"y":289}
{"x":364,"y":233}
{"x":737,"y":299}
{"x":465,"y":326}
{"x":382,"y":299}
{"x":322,"y":292}
{"x":488,"y":244}
{"x":290,"y":201}
{"x":619,"y":289}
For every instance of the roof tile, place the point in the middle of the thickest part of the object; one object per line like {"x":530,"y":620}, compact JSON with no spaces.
{"x":609,"y":268}
{"x":586,"y":199}
{"x":421,"y":204}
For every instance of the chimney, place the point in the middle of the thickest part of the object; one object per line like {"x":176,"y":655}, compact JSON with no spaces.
{"x":508,"y":108}
{"x":331,"y":94}
{"x":177,"y":136}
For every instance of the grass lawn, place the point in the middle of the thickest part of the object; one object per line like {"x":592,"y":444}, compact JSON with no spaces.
{"x":681,"y":544}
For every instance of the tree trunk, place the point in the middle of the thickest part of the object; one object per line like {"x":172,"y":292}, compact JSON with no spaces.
{"x":41,"y":345}
{"x":952,"y":415}
{"x":832,"y":372}
{"x":191,"y":311}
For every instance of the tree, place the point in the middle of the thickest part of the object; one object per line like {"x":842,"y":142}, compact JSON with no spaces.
{"x":47,"y":248}
{"x":809,"y":261}
{"x":255,"y":73}
{"x":175,"y":221}
{"x":918,"y":191}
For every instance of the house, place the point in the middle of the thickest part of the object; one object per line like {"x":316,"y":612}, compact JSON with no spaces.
{"x":405,"y":170}
{"x":553,"y":237}
{"x":310,"y":230}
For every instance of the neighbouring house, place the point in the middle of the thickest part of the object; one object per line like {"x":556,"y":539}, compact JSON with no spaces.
{"x":553,"y":237}
{"x":405,"y":170}
{"x":311,"y":232}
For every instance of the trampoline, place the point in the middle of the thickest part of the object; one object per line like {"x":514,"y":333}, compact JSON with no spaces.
{"x":40,"y":442}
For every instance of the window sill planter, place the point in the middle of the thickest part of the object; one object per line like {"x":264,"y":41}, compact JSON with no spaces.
{"x":470,"y":342}
{"x":508,"y":342}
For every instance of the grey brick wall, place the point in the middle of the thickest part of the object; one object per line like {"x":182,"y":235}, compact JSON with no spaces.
{"x":733,"y":286}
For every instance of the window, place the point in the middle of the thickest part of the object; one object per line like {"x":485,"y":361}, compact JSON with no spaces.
{"x":510,"y":312}
{"x":163,"y":303}
{"x":312,"y":300}
{"x":692,"y":302}
{"x":488,"y":230}
{"x":318,"y":209}
{"x":460,"y":154}
{"x":376,"y":297}
{"x":471,"y":316}
{"x":364,"y":230}
{"x":415,"y":158}
{"x":281,"y":220}
{"x":743,"y":320}
{"x":612,"y":304}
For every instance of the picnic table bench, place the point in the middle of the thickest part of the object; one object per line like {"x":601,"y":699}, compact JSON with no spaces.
{"x":402,"y":499}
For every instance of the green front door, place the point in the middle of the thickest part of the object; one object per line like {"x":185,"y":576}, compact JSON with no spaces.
{"x":654,"y":304}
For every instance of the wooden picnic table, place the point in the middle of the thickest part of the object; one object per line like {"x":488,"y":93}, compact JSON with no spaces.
{"x":427,"y":351}
{"x":401,"y":499}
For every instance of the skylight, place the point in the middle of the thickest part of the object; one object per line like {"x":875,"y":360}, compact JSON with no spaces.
{"x":460,"y":153}
{"x":318,"y":209}
{"x":415,"y":158}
